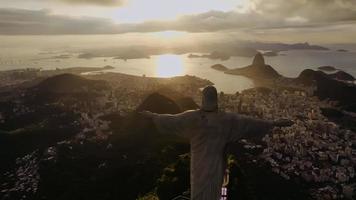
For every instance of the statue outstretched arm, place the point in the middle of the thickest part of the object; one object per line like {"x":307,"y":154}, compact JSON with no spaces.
{"x":171,"y":123}
{"x":248,"y":127}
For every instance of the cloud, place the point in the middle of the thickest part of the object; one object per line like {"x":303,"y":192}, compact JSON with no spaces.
{"x":219,"y":21}
{"x":95,"y":2}
{"x":261,"y":15}
{"x":212,"y":21}
{"x":270,"y":14}
{"x":313,"y":10}
{"x":34,"y":22}
{"x":20,"y":21}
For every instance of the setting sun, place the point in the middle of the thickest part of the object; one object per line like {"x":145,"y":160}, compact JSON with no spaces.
{"x":169,"y":34}
{"x":169,"y":65}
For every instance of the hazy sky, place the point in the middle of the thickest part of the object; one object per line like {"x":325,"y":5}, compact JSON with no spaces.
{"x":318,"y":21}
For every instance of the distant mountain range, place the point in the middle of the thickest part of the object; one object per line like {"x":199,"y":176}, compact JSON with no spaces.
{"x":285,"y":47}
{"x":220,"y":50}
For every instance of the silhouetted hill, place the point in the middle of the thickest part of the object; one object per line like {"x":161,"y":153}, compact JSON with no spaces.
{"x":184,"y":102}
{"x":258,"y":69}
{"x":271,"y":53}
{"x":219,"y":67}
{"x":66,"y":87}
{"x":308,"y":76}
{"x":215,"y":55}
{"x":69,"y":83}
{"x":341,"y":75}
{"x":343,"y":50}
{"x":327,"y":87}
{"x":327,"y":68}
{"x":158,"y":103}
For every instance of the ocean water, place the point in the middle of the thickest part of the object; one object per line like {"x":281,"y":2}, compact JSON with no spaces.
{"x":289,"y":64}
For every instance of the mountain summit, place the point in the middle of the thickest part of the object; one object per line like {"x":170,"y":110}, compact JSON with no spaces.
{"x":257,"y":70}
{"x":258,"y":60}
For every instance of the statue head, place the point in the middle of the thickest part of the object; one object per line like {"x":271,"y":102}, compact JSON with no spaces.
{"x":210,"y":99}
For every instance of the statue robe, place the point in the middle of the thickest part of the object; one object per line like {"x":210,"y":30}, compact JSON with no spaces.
{"x":209,"y":132}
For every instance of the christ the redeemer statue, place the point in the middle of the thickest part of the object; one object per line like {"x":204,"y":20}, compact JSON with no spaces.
{"x":209,"y":131}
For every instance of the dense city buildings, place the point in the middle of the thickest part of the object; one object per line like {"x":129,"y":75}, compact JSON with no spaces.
{"x":315,"y":151}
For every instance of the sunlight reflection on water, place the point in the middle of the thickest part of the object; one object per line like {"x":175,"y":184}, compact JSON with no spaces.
{"x":169,"y":65}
